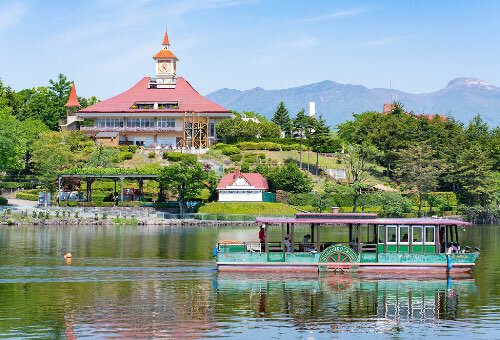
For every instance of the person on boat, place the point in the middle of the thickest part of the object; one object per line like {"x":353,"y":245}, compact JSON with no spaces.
{"x":287,"y":244}
{"x":393,"y":238}
{"x":262,"y":237}
{"x":405,"y":238}
{"x":304,"y":244}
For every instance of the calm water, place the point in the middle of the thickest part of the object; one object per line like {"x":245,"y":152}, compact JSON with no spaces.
{"x":160,"y":282}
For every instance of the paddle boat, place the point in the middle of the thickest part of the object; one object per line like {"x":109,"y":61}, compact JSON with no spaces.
{"x":354,"y":242}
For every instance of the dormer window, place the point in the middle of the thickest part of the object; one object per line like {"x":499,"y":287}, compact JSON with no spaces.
{"x":169,"y":105}
{"x":142,"y":106}
{"x":155,"y":106}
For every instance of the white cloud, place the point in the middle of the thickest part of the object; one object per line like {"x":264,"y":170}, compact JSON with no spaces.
{"x":11,"y":14}
{"x":336,"y":15}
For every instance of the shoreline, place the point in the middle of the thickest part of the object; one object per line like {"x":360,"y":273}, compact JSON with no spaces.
{"x":125,"y":222}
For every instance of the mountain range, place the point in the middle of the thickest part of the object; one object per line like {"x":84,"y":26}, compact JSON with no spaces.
{"x":462,"y":98}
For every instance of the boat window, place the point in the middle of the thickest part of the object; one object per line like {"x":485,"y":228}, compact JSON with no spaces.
{"x":403,"y":233}
{"x":417,"y":234}
{"x":429,"y":234}
{"x":391,"y":234}
{"x":381,"y":234}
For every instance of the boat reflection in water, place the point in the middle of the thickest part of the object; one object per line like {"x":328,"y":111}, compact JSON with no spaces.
{"x":342,"y":302}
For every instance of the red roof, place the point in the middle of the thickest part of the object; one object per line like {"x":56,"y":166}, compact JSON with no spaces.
{"x":255,"y":179}
{"x":370,"y":221}
{"x":73,"y":99}
{"x":188,"y":99}
{"x":163,"y":54}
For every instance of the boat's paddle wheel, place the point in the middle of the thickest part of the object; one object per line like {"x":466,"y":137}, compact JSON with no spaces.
{"x":337,"y":258}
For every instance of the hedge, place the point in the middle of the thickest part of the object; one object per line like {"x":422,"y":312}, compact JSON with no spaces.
{"x":177,"y":156}
{"x":27,"y":196}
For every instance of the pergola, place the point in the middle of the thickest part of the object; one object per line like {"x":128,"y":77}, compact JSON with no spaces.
{"x":91,"y":179}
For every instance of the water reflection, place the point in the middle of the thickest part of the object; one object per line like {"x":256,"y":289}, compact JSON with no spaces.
{"x":342,"y":302}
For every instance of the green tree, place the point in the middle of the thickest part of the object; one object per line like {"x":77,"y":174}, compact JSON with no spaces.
{"x":56,"y":151}
{"x":289,"y":178}
{"x":474,"y":176}
{"x":320,"y":138}
{"x":185,"y":179}
{"x":269,"y":130}
{"x":358,"y":163}
{"x":393,"y":204}
{"x":418,"y":168}
{"x":12,"y":147}
{"x":282,"y":119}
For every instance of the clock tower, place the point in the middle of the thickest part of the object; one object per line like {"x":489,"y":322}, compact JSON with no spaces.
{"x":165,"y":67}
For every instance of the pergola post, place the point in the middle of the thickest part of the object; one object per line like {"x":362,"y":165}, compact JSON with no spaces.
{"x":59,"y":179}
{"x":121,"y":189}
{"x":89,"y":181}
{"x":141,"y":187}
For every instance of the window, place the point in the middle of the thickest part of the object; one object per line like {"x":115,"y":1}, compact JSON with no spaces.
{"x":140,"y":122}
{"x":429,"y":234}
{"x":403,"y":233}
{"x":391,"y":234}
{"x":212,"y":129}
{"x":109,"y":122}
{"x":143,"y":106}
{"x":381,"y":234}
{"x":417,"y":234}
{"x":163,"y":106}
{"x":166,"y":123}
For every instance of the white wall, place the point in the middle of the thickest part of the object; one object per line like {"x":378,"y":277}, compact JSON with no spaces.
{"x":240,"y":196}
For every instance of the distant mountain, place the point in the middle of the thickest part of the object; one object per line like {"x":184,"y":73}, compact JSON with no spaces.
{"x":462,"y":98}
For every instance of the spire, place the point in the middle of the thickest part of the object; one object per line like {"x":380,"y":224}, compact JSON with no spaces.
{"x":165,"y":39}
{"x":72,"y":100}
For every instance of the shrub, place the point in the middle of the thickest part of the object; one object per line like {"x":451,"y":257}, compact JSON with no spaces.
{"x":3,"y":201}
{"x":250,"y":158}
{"x":132,"y":148}
{"x":151,"y":154}
{"x":230,"y":150}
{"x":124,"y":155}
{"x":236,"y":157}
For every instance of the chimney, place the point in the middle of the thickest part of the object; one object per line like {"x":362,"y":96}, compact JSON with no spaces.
{"x":335,"y":210}
{"x":387,"y":108}
{"x":312,"y":109}
{"x":236,"y":173}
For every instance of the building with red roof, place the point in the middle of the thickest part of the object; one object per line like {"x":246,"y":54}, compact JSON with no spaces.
{"x":242,"y":187}
{"x":163,"y":110}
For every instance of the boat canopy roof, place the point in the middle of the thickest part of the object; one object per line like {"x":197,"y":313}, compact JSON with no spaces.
{"x":338,"y":220}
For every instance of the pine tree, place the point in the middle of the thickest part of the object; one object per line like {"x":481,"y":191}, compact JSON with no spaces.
{"x":282,"y":119}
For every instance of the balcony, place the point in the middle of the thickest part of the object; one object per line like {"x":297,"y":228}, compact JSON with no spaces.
{"x":129,"y":129}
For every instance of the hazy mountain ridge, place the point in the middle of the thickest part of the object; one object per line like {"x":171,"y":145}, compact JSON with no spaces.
{"x":461,"y":98}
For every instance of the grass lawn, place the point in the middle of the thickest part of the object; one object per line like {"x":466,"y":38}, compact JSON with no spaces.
{"x":246,"y":208}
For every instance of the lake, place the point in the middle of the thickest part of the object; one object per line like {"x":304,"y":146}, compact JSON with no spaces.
{"x":150,"y":282}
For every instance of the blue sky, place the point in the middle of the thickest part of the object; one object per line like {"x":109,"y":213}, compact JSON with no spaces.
{"x":106,"y":46}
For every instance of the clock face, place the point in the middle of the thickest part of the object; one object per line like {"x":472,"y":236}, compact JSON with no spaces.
{"x":164,"y":67}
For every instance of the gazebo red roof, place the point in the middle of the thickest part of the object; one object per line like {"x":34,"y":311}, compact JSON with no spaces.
{"x":255,"y":179}
{"x":73,"y":99}
{"x":188,"y":99}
